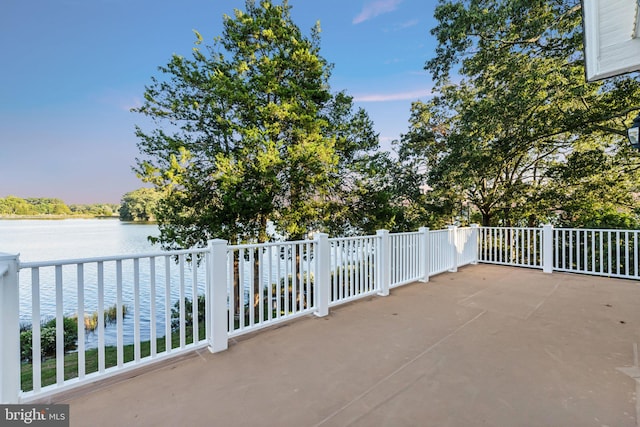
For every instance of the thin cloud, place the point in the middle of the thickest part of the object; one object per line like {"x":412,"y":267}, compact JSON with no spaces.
{"x":376,"y":8}
{"x":399,"y":96}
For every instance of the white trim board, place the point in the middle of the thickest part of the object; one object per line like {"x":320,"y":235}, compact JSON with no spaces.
{"x":611,"y":37}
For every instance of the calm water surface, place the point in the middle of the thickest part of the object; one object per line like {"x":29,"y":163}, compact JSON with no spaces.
{"x":47,"y":240}
{"x":44,"y":240}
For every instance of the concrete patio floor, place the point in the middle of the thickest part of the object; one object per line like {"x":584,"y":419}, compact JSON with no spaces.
{"x":486,"y":346}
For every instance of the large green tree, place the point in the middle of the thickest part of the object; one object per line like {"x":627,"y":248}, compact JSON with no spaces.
{"x":511,"y":105}
{"x":247,"y":132}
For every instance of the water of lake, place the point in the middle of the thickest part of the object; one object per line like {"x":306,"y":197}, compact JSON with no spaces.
{"x":46,"y":240}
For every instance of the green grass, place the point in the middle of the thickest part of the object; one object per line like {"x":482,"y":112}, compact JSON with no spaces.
{"x":48,"y":366}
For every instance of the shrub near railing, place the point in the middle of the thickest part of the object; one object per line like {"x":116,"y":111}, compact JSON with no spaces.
{"x":48,"y":338}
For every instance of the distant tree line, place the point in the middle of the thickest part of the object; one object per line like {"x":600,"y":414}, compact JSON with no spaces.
{"x":139,"y":205}
{"x":16,"y":206}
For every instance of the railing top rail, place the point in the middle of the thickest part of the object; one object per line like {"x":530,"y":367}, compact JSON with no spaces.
{"x":407,"y":233}
{"x":442,"y":230}
{"x":267,"y":244}
{"x":597,"y":229}
{"x":345,"y":239}
{"x":513,"y":228}
{"x":53,"y":263}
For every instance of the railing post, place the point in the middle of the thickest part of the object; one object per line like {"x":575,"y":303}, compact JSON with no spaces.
{"x":453,"y":234}
{"x":547,"y":248}
{"x":384,"y":262}
{"x":424,"y":250}
{"x":218,"y":335}
{"x":9,"y":329}
{"x":323,"y":274}
{"x":475,"y":241}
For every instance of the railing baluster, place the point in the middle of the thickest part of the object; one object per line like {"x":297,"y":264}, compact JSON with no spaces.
{"x":231,"y":303}
{"x":167,"y":305}
{"x":586,"y":248}
{"x":578,"y":245}
{"x":261,"y":284}
{"x":278,"y":286}
{"x":101,"y":343}
{"x":80,"y":320}
{"x":119,"y":316}
{"x":195,"y":305}
{"x":269,"y":256}
{"x":343,"y":271}
{"x":311,"y":296}
{"x":241,"y":289}
{"x":294,"y":278}
{"x":59,"y":328}
{"x":36,"y":349}
{"x":361,"y":267}
{"x":372,"y":261}
{"x":136,"y":309}
{"x":181,"y":305}
{"x":609,"y":262}
{"x":626,"y":253}
{"x":152,"y":307}
{"x":252,"y":287}
{"x":571,"y":250}
{"x":617,"y":252}
{"x":635,"y":253}
{"x":593,"y":251}
{"x":288,"y":280}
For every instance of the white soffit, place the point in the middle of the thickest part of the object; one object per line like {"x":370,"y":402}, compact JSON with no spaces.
{"x":611,"y":37}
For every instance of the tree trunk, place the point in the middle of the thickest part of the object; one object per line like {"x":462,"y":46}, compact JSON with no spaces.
{"x":486,"y":219}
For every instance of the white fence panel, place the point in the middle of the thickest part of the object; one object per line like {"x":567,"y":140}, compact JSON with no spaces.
{"x":353,"y":268}
{"x":521,"y":247}
{"x":466,"y":245}
{"x":440,"y":252}
{"x":269,"y":283}
{"x":611,"y":253}
{"x":405,"y":258}
{"x":94,"y":317}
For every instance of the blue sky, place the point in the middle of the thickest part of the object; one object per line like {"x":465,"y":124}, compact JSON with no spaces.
{"x":72,"y":69}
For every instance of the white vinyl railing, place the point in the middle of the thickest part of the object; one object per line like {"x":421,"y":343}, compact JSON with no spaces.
{"x":521,"y":247}
{"x":269,"y":283}
{"x":140,"y":299}
{"x":353,"y":268}
{"x":612,"y":253}
{"x":441,"y":256}
{"x":406,"y":258}
{"x":133,"y":310}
